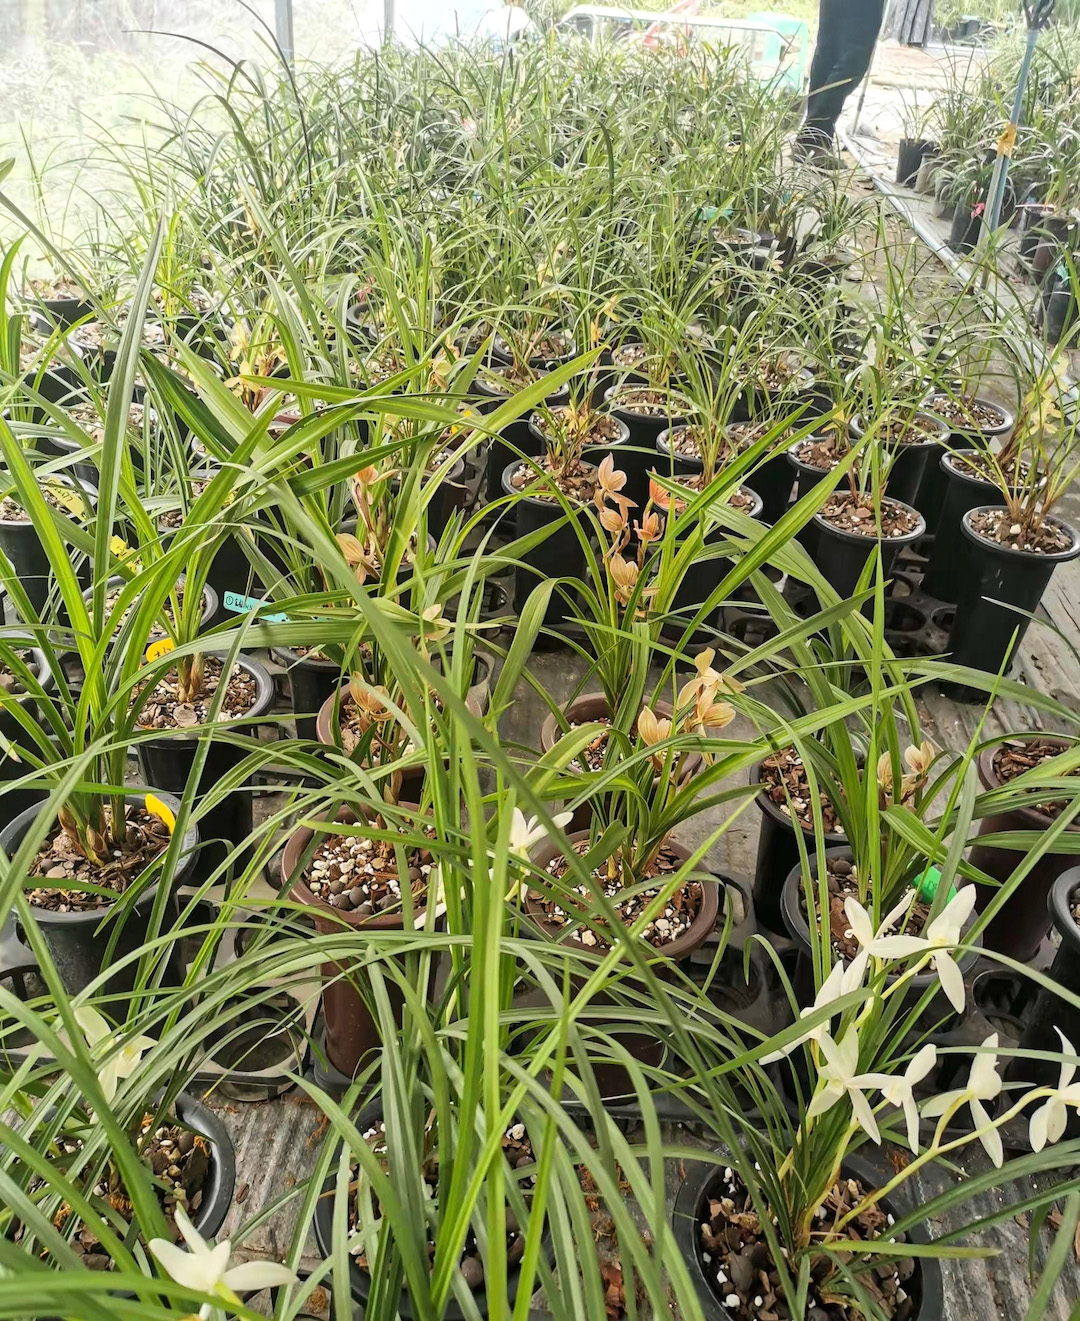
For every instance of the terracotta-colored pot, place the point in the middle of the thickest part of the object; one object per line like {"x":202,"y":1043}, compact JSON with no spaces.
{"x":1023,"y":920}
{"x":476,"y":700}
{"x":613,"y":1080}
{"x":594,"y":706}
{"x":351,"y":1030}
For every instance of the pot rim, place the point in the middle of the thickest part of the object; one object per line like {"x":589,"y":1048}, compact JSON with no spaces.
{"x":82,"y":489}
{"x":1026,"y":556}
{"x":770,"y":809}
{"x":799,"y":927}
{"x":1031,"y":817}
{"x":508,"y":489}
{"x":550,"y":733}
{"x":324,"y":716}
{"x":697,"y":1182}
{"x":94,"y":916}
{"x":1060,"y":903}
{"x":360,"y":1279}
{"x":799,"y":465}
{"x":621,"y":439}
{"x":293,"y":886}
{"x":1007,"y":424}
{"x":217,"y":1197}
{"x":948,"y":464}
{"x":559,"y":396}
{"x":704,"y":920}
{"x":944,"y":431}
{"x":264,"y":699}
{"x":862,"y":539}
{"x":671,"y":418}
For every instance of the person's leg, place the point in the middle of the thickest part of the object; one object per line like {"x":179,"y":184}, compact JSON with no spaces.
{"x":847,"y":33}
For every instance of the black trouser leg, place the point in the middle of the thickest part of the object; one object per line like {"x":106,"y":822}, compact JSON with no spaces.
{"x":847,"y":32}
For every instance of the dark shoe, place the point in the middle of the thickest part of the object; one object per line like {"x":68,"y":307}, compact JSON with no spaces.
{"x":817,"y":152}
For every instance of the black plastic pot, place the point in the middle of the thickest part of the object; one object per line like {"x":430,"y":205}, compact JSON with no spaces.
{"x":910,"y":460}
{"x":948,"y":574}
{"x":1058,"y":308}
{"x":62,"y":312}
{"x":841,"y":556}
{"x":21,"y":544}
{"x":13,"y":802}
{"x":1023,"y":920}
{"x":931,"y":497}
{"x":702,"y":579}
{"x":594,"y":453}
{"x":515,"y":438}
{"x":230,"y":573}
{"x":559,"y":556}
{"x":799,"y":931}
{"x":911,"y":154}
{"x":221,"y":1180}
{"x":638,"y":455}
{"x":210,"y":602}
{"x":167,"y":760}
{"x":772,"y":480}
{"x":77,"y":941}
{"x":1052,"y":1011}
{"x":777,"y":855}
{"x":925,"y":1287}
{"x":312,"y":680}
{"x":964,"y":231}
{"x":982,"y":635}
{"x":360,"y":1279}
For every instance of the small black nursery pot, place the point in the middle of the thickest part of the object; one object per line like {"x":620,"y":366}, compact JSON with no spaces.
{"x":76,"y":940}
{"x":985,"y":631}
{"x":168,"y":760}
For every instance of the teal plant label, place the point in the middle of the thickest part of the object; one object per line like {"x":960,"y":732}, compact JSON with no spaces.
{"x":242,"y":605}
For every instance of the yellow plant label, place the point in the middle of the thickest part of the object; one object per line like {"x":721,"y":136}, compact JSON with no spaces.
{"x":122,"y":550}
{"x":160,"y":648}
{"x":69,"y":499}
{"x":1006,"y":144}
{"x":161,"y":810}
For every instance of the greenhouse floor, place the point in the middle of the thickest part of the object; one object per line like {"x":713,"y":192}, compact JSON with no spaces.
{"x":277,"y":1139}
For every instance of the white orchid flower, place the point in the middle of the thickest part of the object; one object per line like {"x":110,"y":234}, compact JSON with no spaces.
{"x":941,"y":936}
{"x":839,"y":982}
{"x":983,"y":1084}
{"x":899,"y":1089}
{"x":837,"y":1078}
{"x":206,"y":1269}
{"x":1047,"y":1124}
{"x":525,"y":832}
{"x":872,"y":942}
{"x":101,"y":1039}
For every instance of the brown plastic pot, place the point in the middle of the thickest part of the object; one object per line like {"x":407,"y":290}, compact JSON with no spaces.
{"x":1023,"y":920}
{"x":613,"y":1080}
{"x":476,"y":700}
{"x":351,"y":1030}
{"x":594,"y":706}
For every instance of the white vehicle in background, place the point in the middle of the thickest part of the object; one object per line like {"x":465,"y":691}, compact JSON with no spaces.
{"x":777,"y":47}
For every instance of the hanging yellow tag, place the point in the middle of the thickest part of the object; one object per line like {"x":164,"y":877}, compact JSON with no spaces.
{"x":161,"y":810}
{"x":1006,"y":144}
{"x":160,"y":648}
{"x":122,"y":551}
{"x":69,"y":499}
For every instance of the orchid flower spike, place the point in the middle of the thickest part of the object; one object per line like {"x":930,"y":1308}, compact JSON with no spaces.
{"x":101,"y":1039}
{"x":899,"y":1089}
{"x":983,"y":1084}
{"x":872,"y":943}
{"x":206,"y":1269}
{"x":940,"y":937}
{"x":837,"y":1078}
{"x":525,"y":832}
{"x":839,"y":982}
{"x":1047,"y":1124}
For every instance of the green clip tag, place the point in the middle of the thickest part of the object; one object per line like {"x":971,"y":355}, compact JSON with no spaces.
{"x":927,"y":885}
